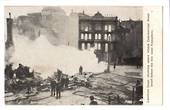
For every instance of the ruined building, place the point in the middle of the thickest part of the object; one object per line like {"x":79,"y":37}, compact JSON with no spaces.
{"x":114,"y":40}
{"x":99,"y":32}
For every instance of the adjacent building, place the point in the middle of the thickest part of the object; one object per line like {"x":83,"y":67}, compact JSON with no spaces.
{"x":133,"y":42}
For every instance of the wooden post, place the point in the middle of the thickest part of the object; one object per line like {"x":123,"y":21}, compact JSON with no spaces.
{"x":133,"y":94}
{"x":108,"y":66}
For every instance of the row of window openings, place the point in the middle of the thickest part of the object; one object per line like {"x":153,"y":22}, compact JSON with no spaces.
{"x":106,"y":28}
{"x":97,"y":46}
{"x":97,"y":36}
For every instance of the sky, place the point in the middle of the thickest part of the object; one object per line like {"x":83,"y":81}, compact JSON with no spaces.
{"x":123,"y":13}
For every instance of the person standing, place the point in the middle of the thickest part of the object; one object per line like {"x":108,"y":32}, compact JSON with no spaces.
{"x":62,"y":83}
{"x":59,"y":74}
{"x":66,"y":82}
{"x":52,"y":84}
{"x":20,"y":72}
{"x":58,"y":89}
{"x":80,"y":70}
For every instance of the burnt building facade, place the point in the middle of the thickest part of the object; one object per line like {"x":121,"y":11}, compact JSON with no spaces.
{"x":98,"y":32}
{"x":114,"y":41}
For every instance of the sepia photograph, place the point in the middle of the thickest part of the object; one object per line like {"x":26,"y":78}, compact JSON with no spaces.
{"x":73,"y":55}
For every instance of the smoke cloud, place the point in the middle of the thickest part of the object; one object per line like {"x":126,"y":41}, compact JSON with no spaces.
{"x":43,"y":57}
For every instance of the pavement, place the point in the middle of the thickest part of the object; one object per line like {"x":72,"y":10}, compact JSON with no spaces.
{"x":67,"y":98}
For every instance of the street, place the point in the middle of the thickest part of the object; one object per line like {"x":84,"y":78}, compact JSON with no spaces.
{"x":118,"y":82}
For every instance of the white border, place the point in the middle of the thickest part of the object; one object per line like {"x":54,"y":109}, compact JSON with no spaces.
{"x":166,"y":44}
{"x":84,"y":2}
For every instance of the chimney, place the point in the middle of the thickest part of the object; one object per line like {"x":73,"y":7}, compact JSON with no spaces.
{"x":9,"y":41}
{"x":9,"y":15}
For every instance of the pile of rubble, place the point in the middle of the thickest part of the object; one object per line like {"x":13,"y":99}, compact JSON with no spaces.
{"x":109,"y":88}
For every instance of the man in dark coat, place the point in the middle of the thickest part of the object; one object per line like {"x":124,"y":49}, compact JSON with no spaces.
{"x":53,"y":84}
{"x":62,"y":83}
{"x":59,"y":74}
{"x":20,"y":72}
{"x":58,"y":89}
{"x":80,"y":70}
{"x":66,"y":82}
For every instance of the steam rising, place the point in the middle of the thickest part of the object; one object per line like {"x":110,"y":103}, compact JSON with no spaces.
{"x":46,"y":58}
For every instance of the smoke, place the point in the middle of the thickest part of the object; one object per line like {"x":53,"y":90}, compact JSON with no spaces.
{"x":43,"y":57}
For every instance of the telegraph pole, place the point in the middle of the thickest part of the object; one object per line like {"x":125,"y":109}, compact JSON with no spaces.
{"x":108,"y":57}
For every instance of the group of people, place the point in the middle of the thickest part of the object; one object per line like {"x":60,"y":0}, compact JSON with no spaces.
{"x":21,"y":72}
{"x":14,"y":78}
{"x":58,"y":84}
{"x":55,"y":88}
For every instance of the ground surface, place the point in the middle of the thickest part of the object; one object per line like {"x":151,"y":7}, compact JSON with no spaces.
{"x":118,"y":82}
